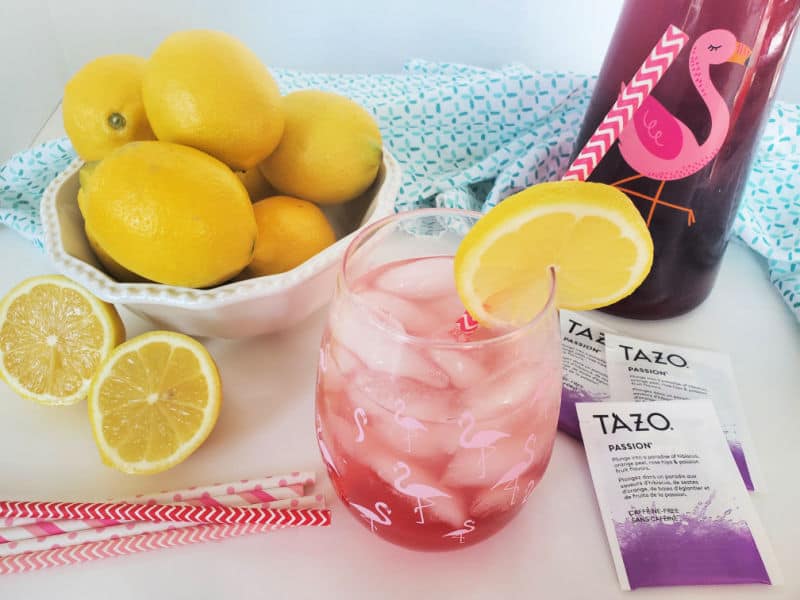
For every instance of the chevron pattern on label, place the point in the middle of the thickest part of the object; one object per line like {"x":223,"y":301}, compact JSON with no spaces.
{"x":633,"y":95}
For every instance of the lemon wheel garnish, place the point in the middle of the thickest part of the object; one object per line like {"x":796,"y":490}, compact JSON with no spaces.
{"x":153,"y":402}
{"x":590,"y":233}
{"x":53,"y":336}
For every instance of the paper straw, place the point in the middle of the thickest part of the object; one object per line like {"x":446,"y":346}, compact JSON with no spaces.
{"x":628,"y":102}
{"x":145,"y":542}
{"x":289,"y":480}
{"x":38,"y":528}
{"x":129,"y":529}
{"x":123,"y":511}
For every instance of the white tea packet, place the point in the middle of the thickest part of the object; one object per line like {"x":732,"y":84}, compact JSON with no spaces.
{"x":584,"y":375}
{"x":672,"y":502}
{"x":642,"y":371}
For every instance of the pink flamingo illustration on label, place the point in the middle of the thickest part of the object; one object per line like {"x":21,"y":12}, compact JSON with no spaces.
{"x":360,"y":417}
{"x":510,"y":479}
{"x":420,"y":491}
{"x":482,"y":440}
{"x":380,"y":515}
{"x":660,"y":146}
{"x":410,"y":424}
{"x":469,"y":527}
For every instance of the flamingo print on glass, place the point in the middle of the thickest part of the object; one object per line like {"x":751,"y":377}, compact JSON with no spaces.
{"x":482,"y":440}
{"x":451,"y":436}
{"x":379,"y":515}
{"x":458,"y":534}
{"x":360,"y":417}
{"x":685,"y":157}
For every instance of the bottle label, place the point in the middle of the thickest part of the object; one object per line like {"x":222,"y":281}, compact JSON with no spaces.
{"x":659,"y":146}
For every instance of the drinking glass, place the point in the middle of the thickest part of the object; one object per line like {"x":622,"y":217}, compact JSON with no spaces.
{"x":431,"y":440}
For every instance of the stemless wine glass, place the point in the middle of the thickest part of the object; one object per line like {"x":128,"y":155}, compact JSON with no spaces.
{"x":433,"y":441}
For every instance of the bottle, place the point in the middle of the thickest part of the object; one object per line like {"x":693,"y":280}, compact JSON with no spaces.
{"x":685,"y":157}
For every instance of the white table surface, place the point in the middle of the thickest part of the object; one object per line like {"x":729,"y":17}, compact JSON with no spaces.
{"x":555,"y":549}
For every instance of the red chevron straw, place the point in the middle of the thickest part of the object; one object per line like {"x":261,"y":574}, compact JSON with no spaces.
{"x":628,"y":102}
{"x":166,"y":512}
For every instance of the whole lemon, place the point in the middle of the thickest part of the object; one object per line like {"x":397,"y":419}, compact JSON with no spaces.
{"x":102,"y":106}
{"x":290,"y":231}
{"x":170,"y":213}
{"x":112,"y":267}
{"x":208,"y":90}
{"x":257,"y":187}
{"x":330,"y":151}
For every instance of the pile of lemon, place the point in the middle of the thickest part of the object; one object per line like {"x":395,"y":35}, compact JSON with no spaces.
{"x":198,"y":170}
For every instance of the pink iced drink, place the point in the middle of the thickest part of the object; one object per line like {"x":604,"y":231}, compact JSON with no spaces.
{"x":435,"y":444}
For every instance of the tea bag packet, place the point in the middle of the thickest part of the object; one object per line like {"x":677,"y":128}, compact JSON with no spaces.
{"x":671,"y":499}
{"x":584,"y":375}
{"x":643,"y":371}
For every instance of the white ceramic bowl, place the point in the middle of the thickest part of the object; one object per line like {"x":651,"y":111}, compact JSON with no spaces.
{"x":237,"y":309}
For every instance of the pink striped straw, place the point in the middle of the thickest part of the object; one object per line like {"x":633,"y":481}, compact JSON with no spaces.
{"x":145,"y":542}
{"x":628,"y":102}
{"x":39,"y":529}
{"x":75,"y":538}
{"x":163,"y":512}
{"x":289,"y":480}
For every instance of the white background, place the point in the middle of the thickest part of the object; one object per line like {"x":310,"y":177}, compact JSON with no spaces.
{"x":43,"y":42}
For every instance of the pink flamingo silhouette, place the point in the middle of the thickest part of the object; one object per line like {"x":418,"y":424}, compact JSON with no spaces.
{"x":660,"y":146}
{"x":380,"y":515}
{"x":469,"y":527}
{"x":480,"y":439}
{"x":410,"y":424}
{"x":360,"y":417}
{"x":420,"y":491}
{"x":326,"y":455}
{"x":511,"y":477}
{"x":529,"y":490}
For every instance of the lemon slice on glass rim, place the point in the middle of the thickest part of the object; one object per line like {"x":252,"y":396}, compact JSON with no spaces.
{"x":590,"y":233}
{"x":53,"y":336}
{"x":153,"y":402}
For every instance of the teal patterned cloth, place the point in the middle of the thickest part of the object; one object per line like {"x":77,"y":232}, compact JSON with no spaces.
{"x":467,"y":137}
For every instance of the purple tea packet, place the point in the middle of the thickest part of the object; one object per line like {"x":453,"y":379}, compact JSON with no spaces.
{"x":584,"y":375}
{"x":674,"y":507}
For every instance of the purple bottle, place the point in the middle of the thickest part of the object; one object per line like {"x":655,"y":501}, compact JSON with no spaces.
{"x":685,"y":157}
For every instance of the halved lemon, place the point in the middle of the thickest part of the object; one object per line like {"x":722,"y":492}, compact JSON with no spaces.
{"x":153,"y":402}
{"x":53,"y":336}
{"x":590,"y":233}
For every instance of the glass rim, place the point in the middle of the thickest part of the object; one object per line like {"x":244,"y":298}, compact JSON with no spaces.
{"x":369,"y":230}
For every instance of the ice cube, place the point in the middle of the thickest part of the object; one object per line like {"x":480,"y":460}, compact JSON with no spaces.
{"x":369,"y":338}
{"x":463,"y":370}
{"x":491,"y":501}
{"x":408,"y":417}
{"x":416,"y":318}
{"x":502,"y":394}
{"x":452,"y":510}
{"x":430,"y":278}
{"x":345,"y":360}
{"x":412,"y":481}
{"x":419,"y":400}
{"x":466,"y":468}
